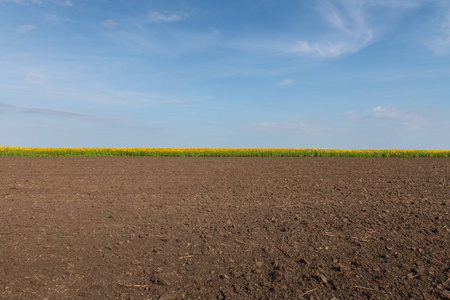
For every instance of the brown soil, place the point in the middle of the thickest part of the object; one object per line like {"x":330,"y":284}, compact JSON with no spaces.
{"x":224,"y":228}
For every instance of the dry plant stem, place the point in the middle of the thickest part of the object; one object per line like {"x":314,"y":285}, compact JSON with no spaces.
{"x":366,"y":288}
{"x":134,"y":285}
{"x":305,"y":293}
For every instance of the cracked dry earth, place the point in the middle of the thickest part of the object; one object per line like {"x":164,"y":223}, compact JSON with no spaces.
{"x":224,"y":228}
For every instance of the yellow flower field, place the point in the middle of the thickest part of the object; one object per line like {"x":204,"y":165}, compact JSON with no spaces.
{"x":217,"y":152}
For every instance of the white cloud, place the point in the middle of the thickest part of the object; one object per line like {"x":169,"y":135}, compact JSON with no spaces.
{"x":395,"y":115}
{"x":158,"y":17}
{"x":286,"y":82}
{"x":36,"y":78}
{"x":110,"y":24}
{"x":25,"y":28}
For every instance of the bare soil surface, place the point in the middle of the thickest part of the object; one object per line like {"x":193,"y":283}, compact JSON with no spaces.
{"x":224,"y":228}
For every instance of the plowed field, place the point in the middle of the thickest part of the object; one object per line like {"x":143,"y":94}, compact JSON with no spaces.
{"x":224,"y":228}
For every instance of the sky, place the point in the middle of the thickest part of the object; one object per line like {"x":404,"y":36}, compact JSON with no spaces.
{"x":235,"y":73}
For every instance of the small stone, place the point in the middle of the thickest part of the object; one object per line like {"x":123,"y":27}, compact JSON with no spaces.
{"x":340,"y":267}
{"x":229,"y":223}
{"x":322,"y":278}
{"x":168,"y":296}
{"x":236,"y":274}
{"x":259,"y":264}
{"x":225,"y":276}
{"x":304,"y":261}
{"x":164,"y":279}
{"x":420,"y":270}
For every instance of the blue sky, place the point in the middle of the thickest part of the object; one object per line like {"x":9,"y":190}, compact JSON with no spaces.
{"x":236,"y":73}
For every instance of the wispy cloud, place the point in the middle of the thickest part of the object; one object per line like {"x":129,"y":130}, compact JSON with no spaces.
{"x":289,"y":128}
{"x":286,"y":82}
{"x":61,"y":2}
{"x":350,"y":31}
{"x":25,"y":28}
{"x":110,"y":24}
{"x":36,"y":78}
{"x":53,"y":18}
{"x":27,"y":2}
{"x":400,"y":4}
{"x":117,"y":98}
{"x":159,"y":17}
{"x":354,"y":25}
{"x":24,"y":2}
{"x":390,"y":114}
{"x":440,"y":42}
{"x":395,"y":115}
{"x":352,"y":114}
{"x":8,"y":108}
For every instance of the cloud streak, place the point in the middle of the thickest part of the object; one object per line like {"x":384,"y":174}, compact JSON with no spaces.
{"x":110,"y":24}
{"x":159,"y":17}
{"x":61,"y":2}
{"x":440,"y":43}
{"x":25,"y":28}
{"x":396,"y":115}
{"x":286,"y":82}
{"x":27,"y":2}
{"x":118,"y":98}
{"x":8,"y":108}
{"x":36,"y":78}
{"x":289,"y":128}
{"x":390,"y":114}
